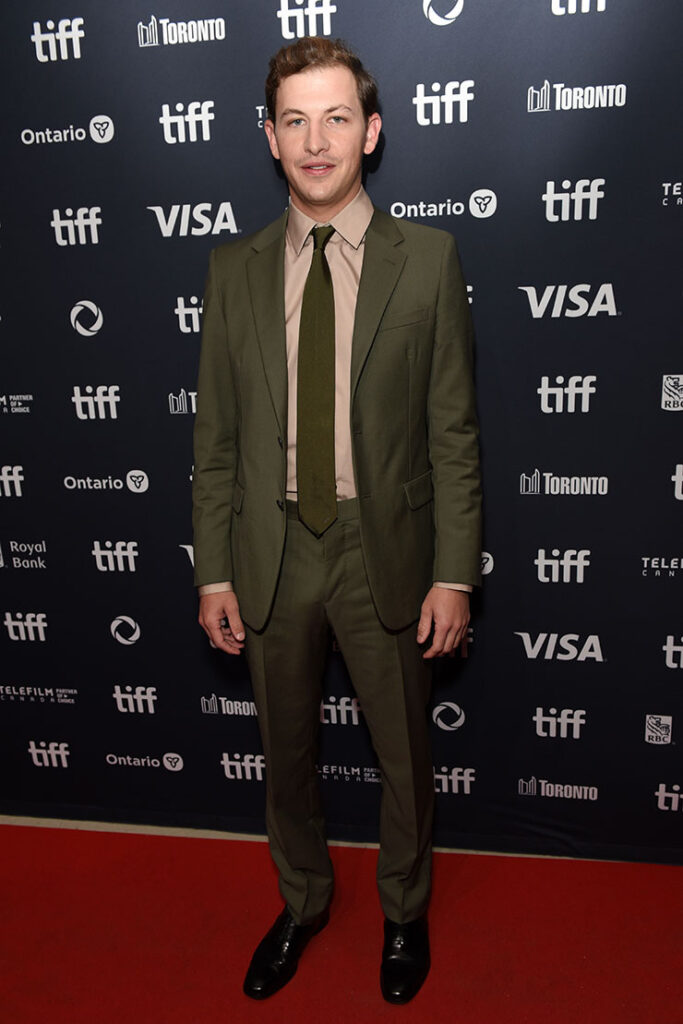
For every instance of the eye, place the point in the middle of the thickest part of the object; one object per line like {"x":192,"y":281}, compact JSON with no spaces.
{"x":295,"y":121}
{"x":338,"y":119}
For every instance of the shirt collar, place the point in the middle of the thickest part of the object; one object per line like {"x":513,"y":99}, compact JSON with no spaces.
{"x":351,"y":223}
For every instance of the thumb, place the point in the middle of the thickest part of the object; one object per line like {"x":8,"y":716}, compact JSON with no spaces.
{"x":424,"y":625}
{"x":235,"y":623}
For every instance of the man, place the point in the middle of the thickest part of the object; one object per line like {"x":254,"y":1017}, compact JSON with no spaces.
{"x":336,"y":487}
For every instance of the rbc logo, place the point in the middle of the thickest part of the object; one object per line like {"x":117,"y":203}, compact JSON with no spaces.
{"x":571,"y":204}
{"x":552,"y":398}
{"x":198,"y":113}
{"x":78,"y":229}
{"x":570,"y":560}
{"x":428,"y":108}
{"x":69,"y":30}
{"x":306,"y":18}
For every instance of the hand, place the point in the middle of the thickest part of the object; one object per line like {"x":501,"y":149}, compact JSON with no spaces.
{"x":449,"y":612}
{"x":219,"y":617}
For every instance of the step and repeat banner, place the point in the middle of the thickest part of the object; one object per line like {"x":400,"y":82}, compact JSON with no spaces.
{"x":542,"y":133}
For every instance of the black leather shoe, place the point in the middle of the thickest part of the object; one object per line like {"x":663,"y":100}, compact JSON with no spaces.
{"x":277,"y":955}
{"x":405,"y":959}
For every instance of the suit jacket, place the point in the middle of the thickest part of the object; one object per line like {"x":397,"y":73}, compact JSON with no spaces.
{"x":413,"y":420}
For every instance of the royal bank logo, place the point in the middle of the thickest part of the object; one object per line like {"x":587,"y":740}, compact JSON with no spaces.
{"x":574,"y":396}
{"x":448,"y":716}
{"x":214,"y":705}
{"x":561,"y":790}
{"x":672,"y":392}
{"x":188,"y":314}
{"x":548,"y":483}
{"x":340,"y":711}
{"x":78,"y":228}
{"x":191,"y":125}
{"x":305,"y":18}
{"x":673,"y":652}
{"x":115,"y":556}
{"x":571,"y":204}
{"x":96,"y":403}
{"x":100,"y":129}
{"x":447,"y":18}
{"x":186,"y":219}
{"x":456,"y":96}
{"x":672,"y":193}
{"x":554,"y":724}
{"x":562,"y":567}
{"x":677,"y":480}
{"x":59,"y":43}
{"x":559,"y":96}
{"x":577,"y":6}
{"x":139,"y":700}
{"x":669,"y":799}
{"x":11,"y":479}
{"x":25,"y":555}
{"x":171,"y":761}
{"x":52,"y":754}
{"x":177,"y":33}
{"x":658,"y":729}
{"x":86,"y":318}
{"x":454,"y":780}
{"x":244,"y":767}
{"x":563,"y":300}
{"x":561,"y":646}
{"x":125,"y":630}
{"x":182,"y":403}
{"x":661,"y":565}
{"x":482,"y":203}
{"x":26,"y":626}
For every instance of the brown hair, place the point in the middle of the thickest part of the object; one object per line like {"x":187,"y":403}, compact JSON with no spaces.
{"x":317,"y":52}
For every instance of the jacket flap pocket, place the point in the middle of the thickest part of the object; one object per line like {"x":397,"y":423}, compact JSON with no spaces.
{"x":420,"y":490}
{"x":404,"y":319}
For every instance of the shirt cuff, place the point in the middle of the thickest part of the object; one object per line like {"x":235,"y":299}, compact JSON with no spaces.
{"x":466,"y":587}
{"x":215,"y":588}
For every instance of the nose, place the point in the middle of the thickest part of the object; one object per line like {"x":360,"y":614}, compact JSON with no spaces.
{"x":316,"y":138}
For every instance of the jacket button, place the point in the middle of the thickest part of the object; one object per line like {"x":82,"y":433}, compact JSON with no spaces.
{"x":280,"y":504}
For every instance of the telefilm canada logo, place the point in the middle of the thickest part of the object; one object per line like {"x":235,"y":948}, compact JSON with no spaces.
{"x":661,"y":565}
{"x":100,"y":130}
{"x":177,"y":33}
{"x":672,"y":392}
{"x":348,"y":773}
{"x":550,"y":483}
{"x":482,"y":203}
{"x":38,"y":694}
{"x":556,"y":790}
{"x":559,"y":96}
{"x":672,"y":193}
{"x":658,"y":729}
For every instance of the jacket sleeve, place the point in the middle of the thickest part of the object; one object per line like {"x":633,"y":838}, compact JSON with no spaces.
{"x":453,"y":431}
{"x":215,"y":442}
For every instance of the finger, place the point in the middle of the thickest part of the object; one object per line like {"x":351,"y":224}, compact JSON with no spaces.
{"x":235,"y":625}
{"x":424,"y":626}
{"x":437,"y":643}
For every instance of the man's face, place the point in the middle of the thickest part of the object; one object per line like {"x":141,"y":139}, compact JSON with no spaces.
{"x":320,"y":136}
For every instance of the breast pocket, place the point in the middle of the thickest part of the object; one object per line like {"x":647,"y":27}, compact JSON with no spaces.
{"x":394,"y":319}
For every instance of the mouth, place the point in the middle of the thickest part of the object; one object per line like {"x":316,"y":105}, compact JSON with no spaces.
{"x":317,"y":169}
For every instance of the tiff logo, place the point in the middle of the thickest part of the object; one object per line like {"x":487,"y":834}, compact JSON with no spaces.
{"x":69,"y":30}
{"x":553,"y":397}
{"x":306,"y":18}
{"x":677,"y":480}
{"x":81,"y":229}
{"x":669,"y":800}
{"x":10,"y":481}
{"x":558,"y":725}
{"x":199,"y":112}
{"x":428,"y":108}
{"x":446,"y":781}
{"x":574,"y":6}
{"x":96,"y":406}
{"x":52,"y":755}
{"x":246,"y":767}
{"x":344,"y":712}
{"x":32,"y":626}
{"x":586,"y":191}
{"x":570,"y":560}
{"x":140,"y":700}
{"x":673,"y":653}
{"x":115,"y":558}
{"x":188,"y":316}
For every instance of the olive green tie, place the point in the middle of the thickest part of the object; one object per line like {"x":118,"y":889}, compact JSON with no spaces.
{"x":315,"y":469}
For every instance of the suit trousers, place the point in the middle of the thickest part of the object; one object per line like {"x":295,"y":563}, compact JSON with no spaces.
{"x":323,"y":586}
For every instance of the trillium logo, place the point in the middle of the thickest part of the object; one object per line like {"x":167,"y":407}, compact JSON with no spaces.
{"x":101,"y":128}
{"x":86,"y":318}
{"x":442,"y":19}
{"x":137,"y":481}
{"x":483,"y":202}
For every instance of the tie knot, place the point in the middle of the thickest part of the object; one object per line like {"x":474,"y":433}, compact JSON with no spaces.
{"x":321,"y":236}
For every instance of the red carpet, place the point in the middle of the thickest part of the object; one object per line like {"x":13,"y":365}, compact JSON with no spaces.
{"x":102,"y":927}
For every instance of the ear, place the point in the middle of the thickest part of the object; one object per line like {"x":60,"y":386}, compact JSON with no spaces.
{"x":373,"y":128}
{"x":269,"y":128}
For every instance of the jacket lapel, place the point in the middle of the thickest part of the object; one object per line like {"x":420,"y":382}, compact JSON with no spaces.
{"x":382,"y":265}
{"x":265,"y":275}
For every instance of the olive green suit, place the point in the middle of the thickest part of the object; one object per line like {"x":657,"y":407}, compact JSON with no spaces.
{"x":416,"y":520}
